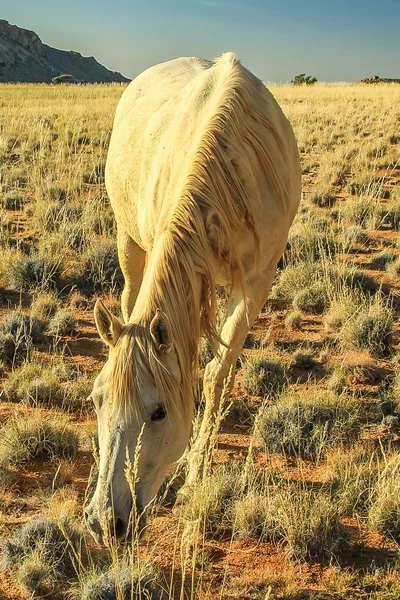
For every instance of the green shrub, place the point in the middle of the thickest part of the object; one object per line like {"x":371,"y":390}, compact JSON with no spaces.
{"x":304,"y":79}
{"x":307,"y":426}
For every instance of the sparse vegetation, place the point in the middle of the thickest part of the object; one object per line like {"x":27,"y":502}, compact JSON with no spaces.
{"x":307,"y":426}
{"x":334,"y":302}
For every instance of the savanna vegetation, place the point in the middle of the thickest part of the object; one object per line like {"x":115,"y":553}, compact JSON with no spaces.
{"x":300,"y":496}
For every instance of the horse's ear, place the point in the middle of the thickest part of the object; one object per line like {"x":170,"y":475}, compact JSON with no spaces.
{"x":160,"y":331}
{"x":108,"y":326}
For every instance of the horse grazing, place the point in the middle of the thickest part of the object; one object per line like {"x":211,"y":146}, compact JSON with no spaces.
{"x":204,"y":178}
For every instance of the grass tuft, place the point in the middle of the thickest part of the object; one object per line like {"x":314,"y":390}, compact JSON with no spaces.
{"x":264,"y":375}
{"x":308,"y":426}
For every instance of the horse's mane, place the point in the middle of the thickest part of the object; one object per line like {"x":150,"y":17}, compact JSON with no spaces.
{"x":219,"y":199}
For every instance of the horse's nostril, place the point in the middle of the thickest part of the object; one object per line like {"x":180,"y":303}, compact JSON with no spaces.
{"x":119,"y":528}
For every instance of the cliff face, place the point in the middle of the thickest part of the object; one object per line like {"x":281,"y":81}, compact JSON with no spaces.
{"x":24,"y":57}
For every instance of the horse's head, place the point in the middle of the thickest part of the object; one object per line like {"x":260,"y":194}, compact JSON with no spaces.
{"x":143,"y":426}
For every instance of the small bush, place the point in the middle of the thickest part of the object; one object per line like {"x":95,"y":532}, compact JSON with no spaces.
{"x":337,"y":382}
{"x":393,"y":268}
{"x":307,"y":426}
{"x":370,"y":327}
{"x":42,"y":553}
{"x":340,"y":310}
{"x":311,"y":300}
{"x":26,"y":437}
{"x":353,"y":477}
{"x":383,"y":259}
{"x":211,"y":501}
{"x":308,"y":243}
{"x":304,"y":79}
{"x":33,"y":384}
{"x":100,"y":269}
{"x":309,"y":524}
{"x":12,"y":201}
{"x":17,"y":324}
{"x":44,"y":306}
{"x":251,"y":515}
{"x":293,"y":320}
{"x":77,"y":391}
{"x":302,"y":360}
{"x":305,"y":521}
{"x":384,"y":512}
{"x":360,"y":212}
{"x":63,"y":322}
{"x":124,"y":583}
{"x":34,"y":272}
{"x":14,"y":348}
{"x":264,"y":375}
{"x":322,"y":197}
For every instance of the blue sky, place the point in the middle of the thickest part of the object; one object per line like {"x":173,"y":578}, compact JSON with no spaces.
{"x":340,"y":40}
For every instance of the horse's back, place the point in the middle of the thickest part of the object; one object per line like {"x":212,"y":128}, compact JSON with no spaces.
{"x":160,"y":124}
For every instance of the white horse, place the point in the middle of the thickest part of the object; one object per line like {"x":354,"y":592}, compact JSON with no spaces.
{"x":204,"y":178}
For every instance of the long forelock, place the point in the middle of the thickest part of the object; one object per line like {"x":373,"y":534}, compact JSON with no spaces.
{"x":135,"y":364}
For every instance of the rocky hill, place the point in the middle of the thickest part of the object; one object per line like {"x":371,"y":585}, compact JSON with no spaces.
{"x":24,"y":57}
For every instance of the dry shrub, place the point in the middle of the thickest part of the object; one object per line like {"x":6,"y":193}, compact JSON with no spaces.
{"x":42,"y":553}
{"x":27,"y":437}
{"x":211,"y":500}
{"x":63,"y":322}
{"x":384,"y":512}
{"x":308,"y":426}
{"x":369,"y":327}
{"x":305,"y":521}
{"x":353,"y":476}
{"x":122,"y":582}
{"x":34,"y":384}
{"x":45,"y":306}
{"x":293,"y":320}
{"x":264,"y":375}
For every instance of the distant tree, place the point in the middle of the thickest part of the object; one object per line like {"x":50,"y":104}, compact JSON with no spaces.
{"x":65,"y":78}
{"x":304,"y":79}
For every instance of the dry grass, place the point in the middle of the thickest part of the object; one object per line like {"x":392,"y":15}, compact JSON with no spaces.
{"x":57,"y":240}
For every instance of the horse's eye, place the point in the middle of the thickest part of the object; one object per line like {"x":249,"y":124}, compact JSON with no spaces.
{"x":159,"y":414}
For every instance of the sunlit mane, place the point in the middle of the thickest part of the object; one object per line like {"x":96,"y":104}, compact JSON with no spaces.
{"x":220,"y":198}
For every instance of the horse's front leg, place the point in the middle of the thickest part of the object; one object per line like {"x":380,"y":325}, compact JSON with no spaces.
{"x":220,"y":372}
